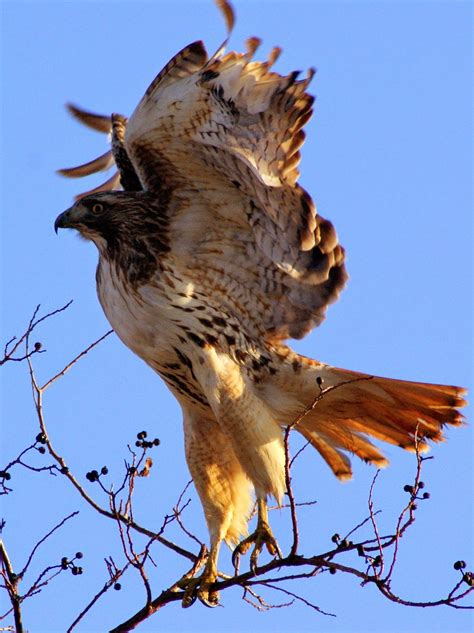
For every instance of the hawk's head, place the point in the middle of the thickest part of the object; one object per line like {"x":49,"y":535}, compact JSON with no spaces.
{"x":102,"y":216}
{"x":128,"y":228}
{"x":111,"y":219}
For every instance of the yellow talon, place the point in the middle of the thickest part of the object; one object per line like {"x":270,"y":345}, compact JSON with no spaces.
{"x":262,"y":536}
{"x":199,"y":588}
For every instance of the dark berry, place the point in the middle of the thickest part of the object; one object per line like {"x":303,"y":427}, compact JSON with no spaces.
{"x":92,"y":476}
{"x":41,"y":438}
{"x":459,"y":564}
{"x":156,"y":442}
{"x":42,"y":450}
{"x":421,"y":485}
{"x":64,"y":470}
{"x":335,"y":538}
{"x":38,"y":346}
{"x":468,"y":578}
{"x":117,"y":586}
{"x":142,"y":435}
{"x":104,"y":470}
{"x":132,"y":470}
{"x":426,"y":495}
{"x":408,"y":488}
{"x":138,"y":444}
{"x":332,"y":570}
{"x":79,"y":555}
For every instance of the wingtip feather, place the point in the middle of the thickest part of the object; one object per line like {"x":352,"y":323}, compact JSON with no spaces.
{"x":97,"y":122}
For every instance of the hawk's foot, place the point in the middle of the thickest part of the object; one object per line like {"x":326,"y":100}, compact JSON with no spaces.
{"x":262,"y":536}
{"x":200,"y":588}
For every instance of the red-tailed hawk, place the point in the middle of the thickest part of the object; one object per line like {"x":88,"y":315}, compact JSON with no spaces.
{"x":213,"y":255}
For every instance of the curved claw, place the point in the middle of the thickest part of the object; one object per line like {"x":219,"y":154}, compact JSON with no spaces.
{"x":189,"y":598}
{"x":212,"y":603}
{"x":262,"y":536}
{"x":241,"y":549}
{"x":198,"y":588}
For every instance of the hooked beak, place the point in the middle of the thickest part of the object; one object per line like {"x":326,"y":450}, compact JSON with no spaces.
{"x":64,"y":221}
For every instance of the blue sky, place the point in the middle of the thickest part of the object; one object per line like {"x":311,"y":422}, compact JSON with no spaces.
{"x":388,"y":159}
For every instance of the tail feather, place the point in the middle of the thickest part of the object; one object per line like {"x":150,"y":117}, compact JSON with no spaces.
{"x":380,"y":430}
{"x":355,"y":405}
{"x":339,"y":463}
{"x":352,"y":441}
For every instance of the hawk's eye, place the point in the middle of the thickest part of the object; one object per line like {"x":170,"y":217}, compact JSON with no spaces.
{"x":97,"y":208}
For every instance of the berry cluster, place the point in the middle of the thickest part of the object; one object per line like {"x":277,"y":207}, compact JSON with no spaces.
{"x":94,"y":475}
{"x":412,"y":491}
{"x":76,"y":570}
{"x":467,"y":576}
{"x":41,"y":439}
{"x":142,"y":442}
{"x":341,"y":543}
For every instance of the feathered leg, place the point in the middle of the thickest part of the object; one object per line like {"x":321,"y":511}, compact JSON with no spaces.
{"x":255,"y":436}
{"x":224,"y":491}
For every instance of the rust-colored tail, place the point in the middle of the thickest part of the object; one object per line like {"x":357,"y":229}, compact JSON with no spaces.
{"x":357,"y":405}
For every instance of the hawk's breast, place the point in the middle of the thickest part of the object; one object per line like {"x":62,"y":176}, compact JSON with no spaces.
{"x":155,"y":321}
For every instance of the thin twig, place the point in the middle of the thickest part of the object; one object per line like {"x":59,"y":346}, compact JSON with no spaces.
{"x":74,"y":361}
{"x":42,"y":540}
{"x":301,"y":599}
{"x":374,"y":524}
{"x":112,"y":581}
{"x":8,"y":353}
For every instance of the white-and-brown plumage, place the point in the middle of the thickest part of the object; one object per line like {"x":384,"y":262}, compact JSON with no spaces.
{"x":210,"y":258}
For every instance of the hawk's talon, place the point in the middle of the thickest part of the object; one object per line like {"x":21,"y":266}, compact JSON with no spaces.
{"x":198,"y":588}
{"x":262,"y":536}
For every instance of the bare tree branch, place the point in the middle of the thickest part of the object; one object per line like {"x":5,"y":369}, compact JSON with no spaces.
{"x":11,"y":583}
{"x":376,"y":554}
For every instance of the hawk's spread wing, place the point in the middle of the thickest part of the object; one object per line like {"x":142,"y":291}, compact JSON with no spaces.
{"x":219,"y":141}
